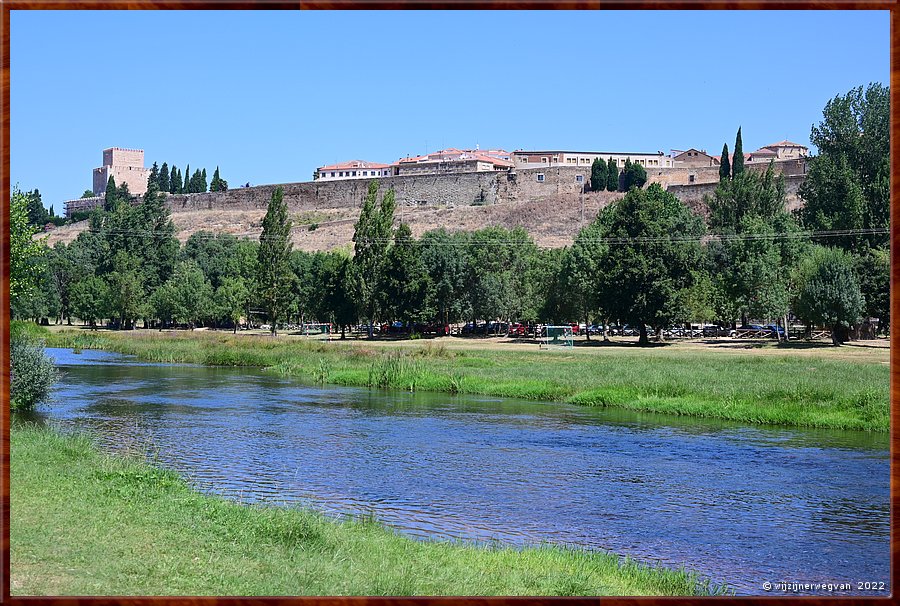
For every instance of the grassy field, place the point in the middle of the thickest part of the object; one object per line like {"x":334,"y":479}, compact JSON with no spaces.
{"x":799,"y":384}
{"x":85,"y":523}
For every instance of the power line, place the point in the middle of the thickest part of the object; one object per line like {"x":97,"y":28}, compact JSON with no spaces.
{"x":796,"y":235}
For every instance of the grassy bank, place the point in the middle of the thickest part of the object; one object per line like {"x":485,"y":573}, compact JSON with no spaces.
{"x":85,"y":523}
{"x":781,"y":387}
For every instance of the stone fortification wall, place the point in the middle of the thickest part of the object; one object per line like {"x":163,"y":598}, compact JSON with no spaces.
{"x":415,"y":190}
{"x":557,"y":183}
{"x":681,"y":175}
{"x":692,"y":195}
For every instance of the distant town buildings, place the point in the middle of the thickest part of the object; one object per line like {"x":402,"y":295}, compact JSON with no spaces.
{"x":440,"y":162}
{"x":541,"y":159}
{"x":777,"y":152}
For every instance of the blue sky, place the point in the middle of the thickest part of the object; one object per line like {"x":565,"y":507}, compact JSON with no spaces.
{"x":269,"y":96}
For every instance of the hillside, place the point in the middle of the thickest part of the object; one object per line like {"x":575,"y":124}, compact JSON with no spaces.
{"x":552,"y":222}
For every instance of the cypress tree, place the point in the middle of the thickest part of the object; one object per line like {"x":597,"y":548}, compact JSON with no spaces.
{"x":737,"y":167}
{"x":187,"y":179}
{"x":724,"y":164}
{"x":203,"y":181}
{"x":111,"y":194}
{"x":154,"y":176}
{"x":612,"y":176}
{"x":164,"y":183}
{"x":598,"y":175}
{"x":175,"y":181}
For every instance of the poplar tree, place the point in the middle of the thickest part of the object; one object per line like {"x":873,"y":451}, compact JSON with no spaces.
{"x":273,"y":273}
{"x":372,"y":239}
{"x":164,"y":183}
{"x":737,"y":166}
{"x":612,"y":176}
{"x":724,"y":164}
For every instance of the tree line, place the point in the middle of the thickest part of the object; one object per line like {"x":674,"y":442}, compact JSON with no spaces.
{"x":646,"y":260}
{"x":172,"y":181}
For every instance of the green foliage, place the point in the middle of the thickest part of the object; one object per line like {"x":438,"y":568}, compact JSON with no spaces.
{"x":26,"y":254}
{"x":848,"y":183}
{"x":125,"y":290}
{"x":202,"y":182}
{"x":273,"y":275}
{"x":87,"y":194}
{"x":164,"y":181}
{"x":737,"y":167}
{"x":37,"y":214}
{"x":175,"y":184}
{"x":829,"y":292}
{"x":153,"y":179}
{"x":31,"y":373}
{"x":634,"y":175}
{"x":217,"y":183}
{"x":372,"y":239}
{"x":88,"y":298}
{"x":231,"y":299}
{"x":612,"y":176}
{"x":599,"y":172}
{"x":186,"y":297}
{"x":873,"y":271}
{"x":645,"y":271}
{"x":405,"y":283}
{"x":724,"y":164}
{"x":748,"y":194}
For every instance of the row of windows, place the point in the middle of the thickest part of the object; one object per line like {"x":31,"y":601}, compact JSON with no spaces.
{"x":578,"y":178}
{"x":586,"y":161}
{"x":364,"y":173}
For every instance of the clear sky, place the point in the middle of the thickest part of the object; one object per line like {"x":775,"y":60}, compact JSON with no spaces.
{"x":270,"y":96}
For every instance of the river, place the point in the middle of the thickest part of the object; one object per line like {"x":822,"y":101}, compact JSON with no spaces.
{"x":740,"y":504}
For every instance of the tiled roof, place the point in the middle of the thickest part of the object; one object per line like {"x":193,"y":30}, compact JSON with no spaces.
{"x":785,"y":143}
{"x":354,"y":164}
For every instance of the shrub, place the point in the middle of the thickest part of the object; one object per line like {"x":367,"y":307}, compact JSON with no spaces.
{"x":32,"y":373}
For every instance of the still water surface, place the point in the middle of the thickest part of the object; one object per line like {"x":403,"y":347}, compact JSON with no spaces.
{"x":739,"y":504}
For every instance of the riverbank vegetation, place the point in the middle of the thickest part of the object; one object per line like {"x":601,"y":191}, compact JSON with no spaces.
{"x":86,"y":523}
{"x":774,"y":388}
{"x":646,"y":260}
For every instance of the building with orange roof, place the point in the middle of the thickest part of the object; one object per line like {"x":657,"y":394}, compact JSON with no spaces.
{"x":353,"y":169}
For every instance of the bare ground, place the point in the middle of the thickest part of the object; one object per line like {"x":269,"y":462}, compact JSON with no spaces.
{"x":552,"y":222}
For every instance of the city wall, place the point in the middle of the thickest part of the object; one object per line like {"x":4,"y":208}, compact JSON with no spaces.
{"x":484,"y":188}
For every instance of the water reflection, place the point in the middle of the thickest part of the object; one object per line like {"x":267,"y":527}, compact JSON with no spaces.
{"x":741,"y":504}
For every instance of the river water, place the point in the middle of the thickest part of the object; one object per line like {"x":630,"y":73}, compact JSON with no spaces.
{"x":742,"y":505}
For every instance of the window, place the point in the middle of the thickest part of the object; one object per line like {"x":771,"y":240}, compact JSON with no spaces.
{"x":585,"y":160}
{"x":332,"y":173}
{"x":544,"y":160}
{"x":354,"y":173}
{"x":540,"y":177}
{"x":690,"y":178}
{"x":579,"y":178}
{"x":341,"y":174}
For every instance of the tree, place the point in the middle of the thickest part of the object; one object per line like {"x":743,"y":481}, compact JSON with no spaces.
{"x":87,"y":194}
{"x":848,"y":183}
{"x":873,"y":272}
{"x":217,"y":183}
{"x":372,"y":239}
{"x":445,"y":258}
{"x":405,"y":281}
{"x":273,"y":270}
{"x":154,"y":175}
{"x":125,"y":290}
{"x":202,"y":182}
{"x":175,"y":184}
{"x":154,"y":232}
{"x":37,"y":214}
{"x":187,"y":180}
{"x":165,"y":182}
{"x":829,"y":292}
{"x":724,"y":164}
{"x":646,"y":270}
{"x":737,"y":167}
{"x":112,"y":197}
{"x":26,"y":255}
{"x":635,"y":175}
{"x":191,"y":294}
{"x":598,"y":175}
{"x":88,"y":299}
{"x":231,"y":300}
{"x":612,"y":176}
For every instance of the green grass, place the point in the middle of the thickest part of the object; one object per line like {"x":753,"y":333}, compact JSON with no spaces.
{"x":808,"y":390}
{"x":86,"y":523}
